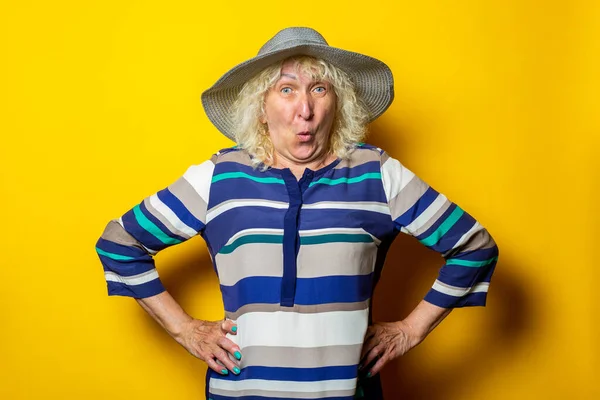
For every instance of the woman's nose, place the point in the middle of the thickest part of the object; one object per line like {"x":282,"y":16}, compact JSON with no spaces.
{"x":305,"y":108}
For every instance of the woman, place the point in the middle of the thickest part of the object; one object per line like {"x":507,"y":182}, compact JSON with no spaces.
{"x":298,"y":218}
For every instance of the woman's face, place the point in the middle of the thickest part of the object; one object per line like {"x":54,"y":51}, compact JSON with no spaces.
{"x":299,"y":113}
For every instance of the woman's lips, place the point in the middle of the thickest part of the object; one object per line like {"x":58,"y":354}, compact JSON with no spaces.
{"x":304,"y":136}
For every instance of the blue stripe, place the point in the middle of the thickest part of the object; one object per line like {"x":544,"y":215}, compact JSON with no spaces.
{"x":127,"y":268}
{"x":379,"y":225}
{"x":147,"y":289}
{"x":449,"y":239}
{"x":445,"y":301}
{"x":441,"y":219}
{"x":223,"y":227}
{"x":128,"y":251}
{"x":235,"y":189}
{"x":139,"y":233}
{"x":309,"y":291}
{"x":295,"y":374}
{"x":366,"y":190}
{"x":417,"y":209}
{"x":476,"y":255}
{"x":171,"y":201}
{"x":171,"y":237}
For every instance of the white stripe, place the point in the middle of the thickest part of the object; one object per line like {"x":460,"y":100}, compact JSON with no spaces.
{"x":324,"y":231}
{"x":148,"y":249}
{"x":426,"y":215}
{"x":382,"y":208}
{"x":459,"y":291}
{"x":171,"y":216}
{"x":476,"y":228}
{"x":395,"y":177}
{"x":301,"y":330}
{"x":220,"y":209}
{"x":251,"y":231}
{"x":131,"y":280}
{"x":200,"y":177}
{"x":283,"y":386}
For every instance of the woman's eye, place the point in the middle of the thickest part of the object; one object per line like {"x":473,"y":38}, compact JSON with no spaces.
{"x":320,"y":89}
{"x":286,"y":90}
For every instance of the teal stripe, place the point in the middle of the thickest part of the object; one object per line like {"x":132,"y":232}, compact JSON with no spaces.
{"x":114,"y":256}
{"x":443,"y":228}
{"x":360,"y":178}
{"x":152,"y":228}
{"x":233,"y":175}
{"x":230,"y":248}
{"x":337,"y":238}
{"x":305,"y":240}
{"x":473,"y":264}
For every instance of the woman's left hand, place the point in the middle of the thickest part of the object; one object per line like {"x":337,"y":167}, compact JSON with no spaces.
{"x":387,"y":341}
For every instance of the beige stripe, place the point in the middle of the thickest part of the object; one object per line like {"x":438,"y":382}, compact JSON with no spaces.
{"x":238,"y":156}
{"x":479,"y":240}
{"x":329,"y":259}
{"x":312,"y":309}
{"x":190,"y":198}
{"x":433,"y":219}
{"x":242,"y":262}
{"x":114,"y":232}
{"x":358,"y":157}
{"x":313,"y":261}
{"x":285,"y":395}
{"x":162,"y":219}
{"x":300,"y":357}
{"x":407,"y":197}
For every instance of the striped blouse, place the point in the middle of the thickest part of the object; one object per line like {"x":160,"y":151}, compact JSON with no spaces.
{"x":297,"y":260}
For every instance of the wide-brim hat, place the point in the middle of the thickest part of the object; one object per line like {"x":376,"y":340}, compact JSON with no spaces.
{"x":372,"y":79}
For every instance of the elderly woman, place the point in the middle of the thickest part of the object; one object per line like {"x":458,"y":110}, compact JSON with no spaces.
{"x":298,"y":218}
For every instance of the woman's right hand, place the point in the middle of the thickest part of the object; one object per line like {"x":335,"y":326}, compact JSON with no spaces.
{"x":207,"y":341}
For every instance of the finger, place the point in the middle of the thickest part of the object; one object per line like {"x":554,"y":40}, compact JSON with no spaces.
{"x":378,"y":365}
{"x":223,"y":357}
{"x":229,"y":326}
{"x":371,"y":355}
{"x":370,"y":332}
{"x":230,"y":347}
{"x":212,"y":364}
{"x":367,"y":347}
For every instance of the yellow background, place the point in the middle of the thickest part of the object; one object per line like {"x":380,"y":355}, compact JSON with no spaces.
{"x":496,"y":106}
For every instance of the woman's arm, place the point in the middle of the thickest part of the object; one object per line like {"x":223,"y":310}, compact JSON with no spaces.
{"x":388,"y":340}
{"x":203,"y":339}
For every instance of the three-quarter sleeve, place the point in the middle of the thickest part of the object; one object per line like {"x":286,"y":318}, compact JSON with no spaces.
{"x":168,"y":217}
{"x":469,"y":251}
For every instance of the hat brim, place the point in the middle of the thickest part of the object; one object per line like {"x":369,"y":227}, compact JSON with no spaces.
{"x":372,"y":78}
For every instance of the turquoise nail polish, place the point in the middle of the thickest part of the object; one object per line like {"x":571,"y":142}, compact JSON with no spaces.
{"x":369,"y":375}
{"x":236,"y":370}
{"x":238,"y":355}
{"x":224,"y":371}
{"x":234,"y":329}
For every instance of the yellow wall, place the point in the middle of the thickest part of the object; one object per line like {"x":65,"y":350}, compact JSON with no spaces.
{"x":496,"y":106}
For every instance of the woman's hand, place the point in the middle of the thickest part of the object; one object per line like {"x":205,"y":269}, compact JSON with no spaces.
{"x":387,"y":341}
{"x":207,"y":341}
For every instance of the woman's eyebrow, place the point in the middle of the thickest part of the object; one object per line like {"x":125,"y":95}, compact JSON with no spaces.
{"x":289,"y":76}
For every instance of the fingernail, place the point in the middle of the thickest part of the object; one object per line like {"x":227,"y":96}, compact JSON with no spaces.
{"x":359,"y":366}
{"x":234,"y":329}
{"x":236,"y":370}
{"x":224,"y":371}
{"x":238,"y":355}
{"x":369,"y":375}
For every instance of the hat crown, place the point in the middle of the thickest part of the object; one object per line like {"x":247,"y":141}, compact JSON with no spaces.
{"x":291,"y":37}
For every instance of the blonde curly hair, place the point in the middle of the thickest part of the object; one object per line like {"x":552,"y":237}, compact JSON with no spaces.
{"x":349,"y":126}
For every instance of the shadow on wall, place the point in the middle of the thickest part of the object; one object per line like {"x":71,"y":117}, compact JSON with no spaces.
{"x":409,"y":272}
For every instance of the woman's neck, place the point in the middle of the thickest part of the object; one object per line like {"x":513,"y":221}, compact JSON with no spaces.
{"x":299,"y":168}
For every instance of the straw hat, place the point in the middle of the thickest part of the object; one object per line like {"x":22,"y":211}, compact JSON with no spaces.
{"x":373,"y":79}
